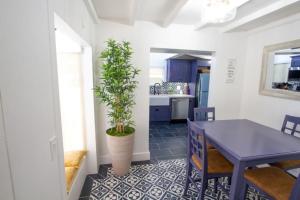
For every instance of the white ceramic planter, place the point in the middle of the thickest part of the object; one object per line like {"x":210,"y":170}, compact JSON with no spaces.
{"x":121,"y":149}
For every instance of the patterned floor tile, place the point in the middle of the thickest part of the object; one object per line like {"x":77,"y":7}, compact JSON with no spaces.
{"x":170,"y":196}
{"x":111,"y":182}
{"x":163,"y":180}
{"x":134,"y":194}
{"x":122,"y":188}
{"x":144,"y":185}
{"x":156,"y":192}
{"x":140,"y":172}
{"x":112,"y":196}
{"x":132,"y":180}
{"x":100,"y":192}
{"x":163,"y":183}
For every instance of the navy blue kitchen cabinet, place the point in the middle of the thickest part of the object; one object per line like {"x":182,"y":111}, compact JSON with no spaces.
{"x":178,"y":70}
{"x":295,"y":61}
{"x":160,"y":113}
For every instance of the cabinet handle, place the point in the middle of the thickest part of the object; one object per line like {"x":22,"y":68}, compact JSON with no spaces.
{"x":53,"y":147}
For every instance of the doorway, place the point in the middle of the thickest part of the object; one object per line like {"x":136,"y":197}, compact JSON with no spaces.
{"x":179,"y":82}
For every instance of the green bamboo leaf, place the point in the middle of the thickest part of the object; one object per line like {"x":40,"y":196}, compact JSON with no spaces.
{"x":117,"y":83}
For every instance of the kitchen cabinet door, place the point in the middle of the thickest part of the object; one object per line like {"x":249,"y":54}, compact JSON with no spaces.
{"x":160,"y":113}
{"x":178,"y":70}
{"x":295,"y":62}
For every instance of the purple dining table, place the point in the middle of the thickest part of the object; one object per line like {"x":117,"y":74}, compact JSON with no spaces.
{"x":246,"y":143}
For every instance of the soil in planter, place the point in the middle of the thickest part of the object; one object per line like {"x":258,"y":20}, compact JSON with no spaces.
{"x":127,"y":131}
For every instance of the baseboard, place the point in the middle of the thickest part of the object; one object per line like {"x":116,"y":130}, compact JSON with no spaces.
{"x":141,"y":156}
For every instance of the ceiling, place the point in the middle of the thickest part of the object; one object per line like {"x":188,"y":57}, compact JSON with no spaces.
{"x":250,"y":15}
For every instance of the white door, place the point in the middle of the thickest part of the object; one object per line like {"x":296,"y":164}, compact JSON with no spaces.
{"x":6,"y":190}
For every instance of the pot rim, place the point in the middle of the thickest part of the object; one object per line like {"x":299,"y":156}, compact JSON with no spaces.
{"x":119,"y":136}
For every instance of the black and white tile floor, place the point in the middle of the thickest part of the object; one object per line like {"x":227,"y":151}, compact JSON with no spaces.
{"x":163,"y":177}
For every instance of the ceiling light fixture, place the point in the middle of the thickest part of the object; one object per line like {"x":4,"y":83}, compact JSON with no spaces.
{"x":219,"y":11}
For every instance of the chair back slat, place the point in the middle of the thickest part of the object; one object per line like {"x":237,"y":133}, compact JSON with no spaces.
{"x":204,"y":114}
{"x":197,"y":144}
{"x":291,"y":125}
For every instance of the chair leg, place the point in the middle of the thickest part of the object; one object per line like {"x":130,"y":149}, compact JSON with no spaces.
{"x":245,"y":189}
{"x":188,"y":174}
{"x":215,"y":185}
{"x":203,"y":188}
{"x":229,"y":180}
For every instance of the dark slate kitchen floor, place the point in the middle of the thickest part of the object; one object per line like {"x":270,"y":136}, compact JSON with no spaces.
{"x":167,"y":140}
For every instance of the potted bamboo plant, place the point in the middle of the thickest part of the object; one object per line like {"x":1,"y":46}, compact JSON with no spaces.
{"x":116,"y":90}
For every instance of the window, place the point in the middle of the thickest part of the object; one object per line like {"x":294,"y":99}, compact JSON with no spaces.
{"x":69,"y":66}
{"x":157,"y":75}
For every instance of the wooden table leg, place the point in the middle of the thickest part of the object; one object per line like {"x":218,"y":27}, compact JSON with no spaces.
{"x":237,"y":182}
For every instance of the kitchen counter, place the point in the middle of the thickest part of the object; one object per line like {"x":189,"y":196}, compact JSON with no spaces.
{"x":172,"y":96}
{"x":164,"y":99}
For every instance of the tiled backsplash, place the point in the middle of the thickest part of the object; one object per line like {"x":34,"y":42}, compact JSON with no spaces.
{"x":167,"y":88}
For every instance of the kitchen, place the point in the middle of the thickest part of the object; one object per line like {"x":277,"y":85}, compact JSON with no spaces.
{"x":179,"y":82}
{"x":285,"y":73}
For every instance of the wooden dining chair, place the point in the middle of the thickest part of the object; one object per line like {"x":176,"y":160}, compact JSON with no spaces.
{"x":291,"y":125}
{"x":208,"y":163}
{"x":205,"y":114}
{"x":273,"y":182}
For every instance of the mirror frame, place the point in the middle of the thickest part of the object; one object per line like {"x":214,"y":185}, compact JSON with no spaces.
{"x":264,"y":71}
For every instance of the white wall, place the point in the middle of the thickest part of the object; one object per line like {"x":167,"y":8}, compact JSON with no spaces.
{"x":76,"y":15}
{"x":226,"y":97}
{"x":265,"y":109}
{"x":145,"y":35}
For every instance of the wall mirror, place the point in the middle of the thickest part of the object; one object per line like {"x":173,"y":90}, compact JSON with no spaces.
{"x":280,"y":75}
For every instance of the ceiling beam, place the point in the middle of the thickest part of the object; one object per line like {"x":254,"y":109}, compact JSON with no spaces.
{"x":133,"y":9}
{"x":173,"y":12}
{"x":92,"y":11}
{"x":259,"y":14}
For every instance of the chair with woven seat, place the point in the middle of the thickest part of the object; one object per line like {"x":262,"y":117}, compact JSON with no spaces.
{"x":291,"y":125}
{"x":273,"y":182}
{"x":206,"y":114}
{"x":208,"y":163}
{"x":203,"y":114}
